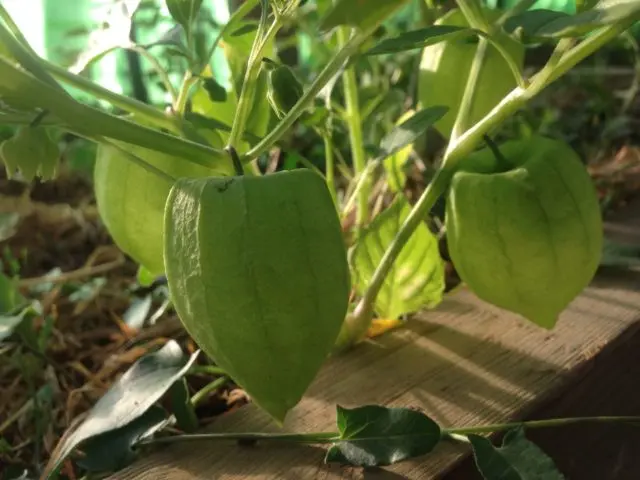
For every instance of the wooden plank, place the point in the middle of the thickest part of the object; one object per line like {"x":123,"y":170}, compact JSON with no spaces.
{"x":609,"y":386}
{"x":466,"y":363}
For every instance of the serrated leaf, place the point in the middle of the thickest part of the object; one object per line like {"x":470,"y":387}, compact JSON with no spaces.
{"x":553,"y":24}
{"x":184,"y":11}
{"x":420,"y":38}
{"x":128,"y":398}
{"x":373,"y":435}
{"x":416,"y":279}
{"x":517,"y":459}
{"x":31,"y":151}
{"x":409,"y":130}
{"x":362,"y":14}
{"x":113,"y":450}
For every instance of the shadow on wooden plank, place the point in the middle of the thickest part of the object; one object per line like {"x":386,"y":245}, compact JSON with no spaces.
{"x":465,"y":363}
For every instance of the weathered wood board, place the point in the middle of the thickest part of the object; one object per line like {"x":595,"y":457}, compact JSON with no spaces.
{"x":465,"y":363}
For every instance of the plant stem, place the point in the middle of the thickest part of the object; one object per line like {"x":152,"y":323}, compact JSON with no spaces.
{"x":472,"y":11}
{"x":331,"y":69}
{"x":254,"y":63}
{"x":357,"y":324}
{"x":354,"y":124}
{"x":180,"y":103}
{"x":329,"y":164}
{"x":317,"y":438}
{"x":142,"y":110}
{"x":207,"y":369}
{"x":462,"y":119}
{"x":207,"y":389}
{"x":552,"y":422}
{"x":20,"y":86}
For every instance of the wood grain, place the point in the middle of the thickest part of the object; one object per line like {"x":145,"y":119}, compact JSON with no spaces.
{"x":466,"y":363}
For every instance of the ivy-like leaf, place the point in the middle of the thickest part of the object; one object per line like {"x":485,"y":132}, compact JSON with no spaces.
{"x":517,"y":459}
{"x":184,"y":11}
{"x":128,"y":399}
{"x":14,"y":308}
{"x":373,"y":435}
{"x":361,"y":14}
{"x":416,"y":279}
{"x":420,"y":38}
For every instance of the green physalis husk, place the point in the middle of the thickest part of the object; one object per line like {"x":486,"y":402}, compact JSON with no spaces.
{"x":527,"y":236}
{"x":257,"y":270}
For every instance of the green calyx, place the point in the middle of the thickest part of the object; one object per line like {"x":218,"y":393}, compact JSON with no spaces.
{"x":526,"y":238}
{"x":257,"y":270}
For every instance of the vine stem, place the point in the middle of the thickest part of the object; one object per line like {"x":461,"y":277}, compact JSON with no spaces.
{"x":333,"y":437}
{"x":464,"y":114}
{"x":357,"y":324}
{"x":548,"y":423}
{"x":354,"y":124}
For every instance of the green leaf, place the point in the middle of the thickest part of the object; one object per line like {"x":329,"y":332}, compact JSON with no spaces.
{"x":113,"y":450}
{"x":416,"y":279}
{"x":409,"y":130}
{"x":14,"y":308}
{"x":128,"y":398}
{"x":395,"y":163}
{"x":373,"y":435}
{"x":184,"y":11}
{"x":216,"y":92}
{"x":32,"y":151}
{"x":553,"y":24}
{"x":248,"y":28}
{"x":420,"y":38}
{"x":362,"y":14}
{"x":144,"y":277}
{"x":516,"y":459}
{"x":181,"y":406}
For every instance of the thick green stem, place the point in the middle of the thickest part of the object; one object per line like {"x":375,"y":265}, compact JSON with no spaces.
{"x":357,"y":324}
{"x":329,"y":71}
{"x":247,"y":93}
{"x":20,"y":87}
{"x":145,"y":112}
{"x":354,"y":124}
{"x":464,"y":113}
